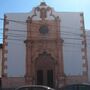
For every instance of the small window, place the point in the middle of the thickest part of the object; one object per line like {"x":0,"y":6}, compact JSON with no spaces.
{"x":43,"y":29}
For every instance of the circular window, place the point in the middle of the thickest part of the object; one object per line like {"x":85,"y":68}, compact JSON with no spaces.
{"x":43,"y":29}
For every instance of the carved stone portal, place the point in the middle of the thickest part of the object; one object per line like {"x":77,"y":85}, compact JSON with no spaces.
{"x":44,"y":54}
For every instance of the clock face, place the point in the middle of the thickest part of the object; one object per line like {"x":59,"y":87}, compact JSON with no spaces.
{"x":43,"y":29}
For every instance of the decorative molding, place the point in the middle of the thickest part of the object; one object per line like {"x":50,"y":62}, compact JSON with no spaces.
{"x":5,"y":67}
{"x":6,"y":21}
{"x":5,"y":51}
{"x":84,"y":48}
{"x":83,"y":57}
{"x":36,"y":46}
{"x":81,"y":14}
{"x":5,"y":59}
{"x":43,"y":12}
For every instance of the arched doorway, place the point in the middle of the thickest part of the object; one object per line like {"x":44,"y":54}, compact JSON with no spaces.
{"x":45,"y":70}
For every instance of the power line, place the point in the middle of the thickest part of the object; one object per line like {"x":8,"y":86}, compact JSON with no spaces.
{"x":16,"y":21}
{"x":37,"y":23}
{"x":41,"y":37}
{"x":19,"y":36}
{"x":62,"y":32}
{"x":22,"y":39}
{"x":18,"y":30}
{"x":66,"y":27}
{"x":40,"y":42}
{"x":19,"y":39}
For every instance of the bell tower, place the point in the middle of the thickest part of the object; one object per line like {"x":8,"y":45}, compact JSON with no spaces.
{"x":44,"y":48}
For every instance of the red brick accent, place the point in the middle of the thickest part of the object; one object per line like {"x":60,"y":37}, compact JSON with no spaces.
{"x":5,"y":43}
{"x":84,"y":48}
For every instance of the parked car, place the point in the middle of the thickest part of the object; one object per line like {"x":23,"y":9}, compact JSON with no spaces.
{"x":76,"y":87}
{"x":34,"y":87}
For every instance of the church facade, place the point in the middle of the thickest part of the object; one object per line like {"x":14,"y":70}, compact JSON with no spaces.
{"x":44,"y":47}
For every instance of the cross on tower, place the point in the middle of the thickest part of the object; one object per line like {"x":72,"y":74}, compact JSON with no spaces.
{"x":42,"y":1}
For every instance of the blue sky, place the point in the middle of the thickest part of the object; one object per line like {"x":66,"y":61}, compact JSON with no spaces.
{"x":11,"y":6}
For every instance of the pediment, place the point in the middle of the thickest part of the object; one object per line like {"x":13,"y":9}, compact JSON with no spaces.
{"x":43,"y":12}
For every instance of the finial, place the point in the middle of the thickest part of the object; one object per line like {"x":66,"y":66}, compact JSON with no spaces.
{"x":42,"y":1}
